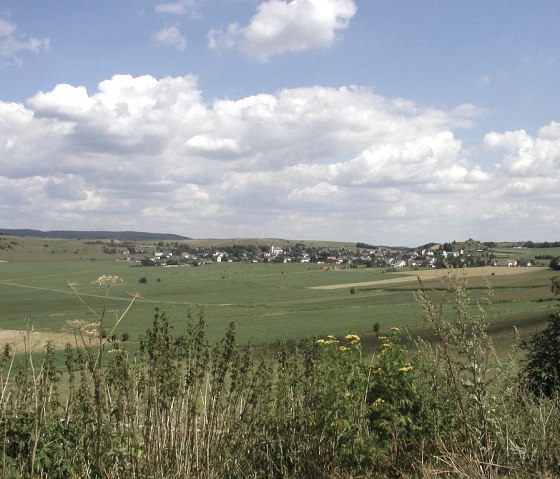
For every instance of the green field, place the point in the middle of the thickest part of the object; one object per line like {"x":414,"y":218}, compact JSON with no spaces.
{"x":266,"y":301}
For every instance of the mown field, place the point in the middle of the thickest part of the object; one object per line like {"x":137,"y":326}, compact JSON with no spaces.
{"x":266,"y":301}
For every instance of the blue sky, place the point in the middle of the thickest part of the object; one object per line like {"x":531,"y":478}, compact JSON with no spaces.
{"x":396,"y":122}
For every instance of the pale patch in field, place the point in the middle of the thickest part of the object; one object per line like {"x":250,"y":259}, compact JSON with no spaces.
{"x":36,"y":340}
{"x":408,"y":276}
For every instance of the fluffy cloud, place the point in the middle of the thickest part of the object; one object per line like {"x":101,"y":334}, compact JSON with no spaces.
{"x":12,"y":42}
{"x":280,"y":26}
{"x":171,"y":36}
{"x":341,"y":163}
{"x":527,"y":156}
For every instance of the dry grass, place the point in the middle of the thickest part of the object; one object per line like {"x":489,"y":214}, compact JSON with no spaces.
{"x":412,"y":276}
{"x":36,"y":340}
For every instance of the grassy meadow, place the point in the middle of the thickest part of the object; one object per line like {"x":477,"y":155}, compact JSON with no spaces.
{"x":266,"y":301}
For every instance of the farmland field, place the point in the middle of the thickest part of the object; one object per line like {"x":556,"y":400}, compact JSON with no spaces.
{"x":266,"y":301}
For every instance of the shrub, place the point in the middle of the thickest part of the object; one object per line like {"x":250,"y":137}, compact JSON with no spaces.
{"x":395,"y":404}
{"x":143,"y":280}
{"x":457,"y":371}
{"x":541,"y":373}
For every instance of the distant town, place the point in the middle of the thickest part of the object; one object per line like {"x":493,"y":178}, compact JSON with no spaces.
{"x":433,"y":255}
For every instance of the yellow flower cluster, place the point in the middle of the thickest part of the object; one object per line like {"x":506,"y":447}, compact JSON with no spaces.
{"x":394,"y":330}
{"x":407,"y":367}
{"x":378,"y":402}
{"x":325,"y":342}
{"x":352,"y":338}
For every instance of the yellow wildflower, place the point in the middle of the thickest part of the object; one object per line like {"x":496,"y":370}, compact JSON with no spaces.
{"x":347,"y":395}
{"x":394,"y":329}
{"x":352,"y":338}
{"x":330,"y":337}
{"x":343,"y":348}
{"x":378,"y":402}
{"x":407,"y":367}
{"x":320,"y":341}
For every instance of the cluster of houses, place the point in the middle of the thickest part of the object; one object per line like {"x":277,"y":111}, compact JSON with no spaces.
{"x":432,"y":256}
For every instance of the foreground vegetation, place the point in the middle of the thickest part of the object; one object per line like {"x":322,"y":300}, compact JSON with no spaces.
{"x":183,"y":406}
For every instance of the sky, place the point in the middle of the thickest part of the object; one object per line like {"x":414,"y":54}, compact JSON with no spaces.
{"x":387,"y":122}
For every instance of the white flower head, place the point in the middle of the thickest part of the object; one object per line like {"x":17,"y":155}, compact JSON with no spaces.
{"x":75,"y":324}
{"x":108,"y":280}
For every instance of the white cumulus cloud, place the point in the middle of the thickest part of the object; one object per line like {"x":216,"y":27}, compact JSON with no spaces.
{"x":286,"y":26}
{"x":527,"y":156}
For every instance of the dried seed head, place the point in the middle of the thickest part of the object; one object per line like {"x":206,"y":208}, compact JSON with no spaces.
{"x":91,"y":329}
{"x":75,"y":324}
{"x":108,"y":280}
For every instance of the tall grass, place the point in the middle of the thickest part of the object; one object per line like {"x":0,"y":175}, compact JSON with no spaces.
{"x":186,"y":407}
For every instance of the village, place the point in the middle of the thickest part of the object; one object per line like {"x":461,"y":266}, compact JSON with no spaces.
{"x":363,"y":255}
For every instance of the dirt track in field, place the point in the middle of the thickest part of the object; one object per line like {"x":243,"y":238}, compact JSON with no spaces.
{"x":412,"y":277}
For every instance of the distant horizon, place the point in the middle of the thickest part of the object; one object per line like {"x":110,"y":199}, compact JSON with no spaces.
{"x":153,"y":236}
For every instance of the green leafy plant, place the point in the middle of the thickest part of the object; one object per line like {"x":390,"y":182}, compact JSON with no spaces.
{"x":464,"y":355}
{"x":395,"y":403}
{"x":541,"y":371}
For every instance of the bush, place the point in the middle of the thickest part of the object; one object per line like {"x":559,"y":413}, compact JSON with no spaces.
{"x":143,"y":280}
{"x":456,"y":376}
{"x":396,"y":413}
{"x":541,"y":374}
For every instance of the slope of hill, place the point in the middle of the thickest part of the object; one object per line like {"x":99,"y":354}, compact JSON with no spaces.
{"x":68,"y":234}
